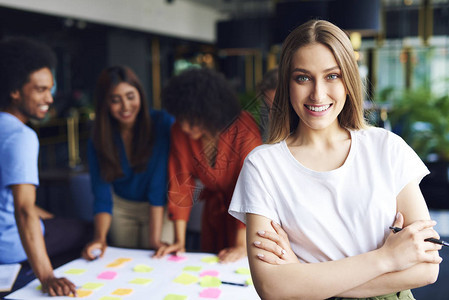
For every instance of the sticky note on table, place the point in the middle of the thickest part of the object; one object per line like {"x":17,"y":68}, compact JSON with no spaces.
{"x":82,"y":293}
{"x":75,"y":271}
{"x":175,"y":297}
{"x":142,"y":268}
{"x":210,"y":281}
{"x":119,"y":262}
{"x":92,"y":285}
{"x":109,"y":275}
{"x":141,"y":281}
{"x":110,"y":298}
{"x":211,"y":293}
{"x":122,"y":292}
{"x":249,"y":281}
{"x":176,"y":258}
{"x":186,"y":279}
{"x":192,"y":268}
{"x":244,"y":271}
{"x":209,"y":273}
{"x":210,"y":259}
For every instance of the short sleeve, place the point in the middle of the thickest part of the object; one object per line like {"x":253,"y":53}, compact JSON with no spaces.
{"x":19,"y":164}
{"x":251,"y":195}
{"x":407,"y":164}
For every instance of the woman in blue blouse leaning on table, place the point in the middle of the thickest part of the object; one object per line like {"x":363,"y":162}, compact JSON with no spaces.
{"x":128,"y":156}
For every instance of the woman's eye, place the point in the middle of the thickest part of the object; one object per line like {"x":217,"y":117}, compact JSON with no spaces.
{"x":130,"y":96}
{"x":333,"y":76}
{"x":302,"y":78}
{"x":115,"y":100}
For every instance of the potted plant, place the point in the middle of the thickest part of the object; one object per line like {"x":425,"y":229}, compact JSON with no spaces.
{"x":421,"y":118}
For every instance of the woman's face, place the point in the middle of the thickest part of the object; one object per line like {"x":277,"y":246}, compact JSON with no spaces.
{"x":317,"y":91}
{"x":195,"y":132}
{"x":124,"y":103}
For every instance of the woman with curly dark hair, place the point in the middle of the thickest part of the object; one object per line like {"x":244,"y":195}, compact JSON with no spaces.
{"x":210,"y":139}
{"x":128,"y":156}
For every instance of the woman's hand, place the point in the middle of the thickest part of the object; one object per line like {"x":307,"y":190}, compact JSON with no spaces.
{"x":277,"y":243}
{"x":165,"y":249}
{"x":232,"y":254}
{"x":58,"y":286}
{"x":94,"y":250}
{"x":408,"y":248}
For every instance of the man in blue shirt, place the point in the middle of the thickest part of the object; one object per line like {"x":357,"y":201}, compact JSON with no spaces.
{"x":26,"y":81}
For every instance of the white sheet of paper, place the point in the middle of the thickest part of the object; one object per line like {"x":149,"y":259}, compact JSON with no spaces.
{"x":163,"y":273}
{"x":8,"y":275}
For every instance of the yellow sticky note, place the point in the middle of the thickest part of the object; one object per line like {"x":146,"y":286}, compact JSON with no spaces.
{"x":122,"y":292}
{"x":75,"y":271}
{"x":114,"y":265}
{"x":249,"y":281}
{"x":92,"y":285}
{"x":142,"y":268}
{"x":142,"y":281}
{"x":210,"y":259}
{"x":186,"y":279}
{"x":123,"y":260}
{"x":244,"y":271}
{"x":210,"y":281}
{"x":175,"y":297}
{"x":192,"y":268}
{"x":39,"y":287}
{"x":110,"y":298}
{"x":82,"y":293}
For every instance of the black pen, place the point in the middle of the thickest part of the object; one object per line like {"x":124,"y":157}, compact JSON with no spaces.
{"x":432,"y":240}
{"x":233,"y":283}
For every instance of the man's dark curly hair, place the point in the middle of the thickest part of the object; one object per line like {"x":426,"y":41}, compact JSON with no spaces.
{"x":201,"y":97}
{"x":19,"y":57}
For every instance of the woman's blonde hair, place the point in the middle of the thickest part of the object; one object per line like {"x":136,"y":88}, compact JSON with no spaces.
{"x":284,"y":119}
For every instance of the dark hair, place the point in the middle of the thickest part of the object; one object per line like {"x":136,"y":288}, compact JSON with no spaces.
{"x":284,"y":118}
{"x":202,"y":97}
{"x":19,"y":57}
{"x":106,"y":128}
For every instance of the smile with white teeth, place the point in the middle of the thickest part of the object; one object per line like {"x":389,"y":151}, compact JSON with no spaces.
{"x":318,"y":108}
{"x":43,"y":107}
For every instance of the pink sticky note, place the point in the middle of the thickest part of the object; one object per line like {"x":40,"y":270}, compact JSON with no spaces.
{"x":109,"y":275}
{"x":177,"y":258}
{"x":212,"y":293}
{"x":209,"y":273}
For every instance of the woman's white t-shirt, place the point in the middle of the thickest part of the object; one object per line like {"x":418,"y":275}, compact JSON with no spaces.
{"x":335,"y":214}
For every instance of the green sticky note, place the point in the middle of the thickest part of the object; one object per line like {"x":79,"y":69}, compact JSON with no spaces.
{"x":143,"y":268}
{"x":75,"y":271}
{"x":210,"y":281}
{"x":110,"y":298}
{"x":192,"y":268}
{"x":186,"y":279}
{"x":141,"y":281}
{"x":244,"y":271}
{"x":210,"y":259}
{"x":249,"y":281}
{"x":92,"y":285}
{"x":175,"y":297}
{"x":39,"y":288}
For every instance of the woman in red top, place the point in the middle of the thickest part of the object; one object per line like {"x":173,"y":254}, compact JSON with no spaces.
{"x":209,"y":141}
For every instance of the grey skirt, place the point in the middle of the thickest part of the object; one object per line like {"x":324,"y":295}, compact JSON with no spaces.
{"x":404,"y":295}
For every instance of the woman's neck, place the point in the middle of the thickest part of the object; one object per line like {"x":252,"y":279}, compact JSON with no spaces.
{"x":306,"y":136}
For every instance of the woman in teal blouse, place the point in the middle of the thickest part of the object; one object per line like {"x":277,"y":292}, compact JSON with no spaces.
{"x":128,"y":156}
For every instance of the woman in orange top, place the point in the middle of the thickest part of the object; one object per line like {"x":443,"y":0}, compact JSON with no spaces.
{"x":209,"y":141}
